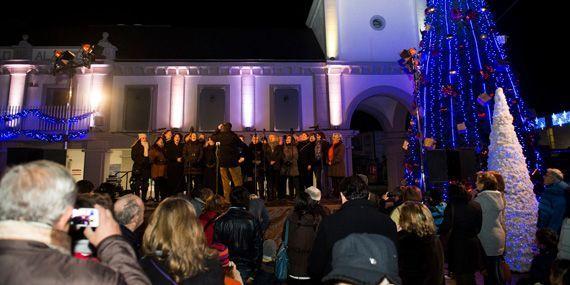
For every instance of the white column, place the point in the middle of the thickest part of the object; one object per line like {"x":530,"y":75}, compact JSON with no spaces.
{"x":335,"y":96}
{"x":247,"y":98}
{"x":18,"y":74}
{"x":331,"y":28}
{"x":82,"y":84}
{"x":177,"y":101}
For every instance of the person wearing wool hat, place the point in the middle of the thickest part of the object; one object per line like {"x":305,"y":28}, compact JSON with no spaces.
{"x":141,"y":166}
{"x":314,"y":193}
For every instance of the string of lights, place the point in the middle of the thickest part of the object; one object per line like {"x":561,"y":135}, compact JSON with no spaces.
{"x":44,"y":117}
{"x":461,"y":62}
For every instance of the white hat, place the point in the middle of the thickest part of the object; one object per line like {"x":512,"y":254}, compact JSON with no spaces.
{"x":142,"y":135}
{"x":314,"y":193}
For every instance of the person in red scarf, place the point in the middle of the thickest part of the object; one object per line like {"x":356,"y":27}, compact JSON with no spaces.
{"x":335,"y":161}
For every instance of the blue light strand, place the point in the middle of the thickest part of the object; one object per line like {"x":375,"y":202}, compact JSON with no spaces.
{"x":45,"y":117}
{"x":9,"y":134}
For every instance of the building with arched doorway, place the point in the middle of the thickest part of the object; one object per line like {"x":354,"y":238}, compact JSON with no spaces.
{"x":352,"y":69}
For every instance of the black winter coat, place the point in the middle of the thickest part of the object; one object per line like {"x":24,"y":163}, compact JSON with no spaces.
{"x":229,"y":148}
{"x":193,"y":153}
{"x":354,"y":216}
{"x":141,"y":163}
{"x":306,"y":154}
{"x":420,"y":259}
{"x":275,"y":154}
{"x":463,"y":247}
{"x":241,"y":233}
{"x":257,"y":158}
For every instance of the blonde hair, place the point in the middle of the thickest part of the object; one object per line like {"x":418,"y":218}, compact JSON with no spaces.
{"x":175,"y":237}
{"x":416,"y":218}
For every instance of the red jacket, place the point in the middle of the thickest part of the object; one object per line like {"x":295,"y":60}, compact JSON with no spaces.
{"x":207,"y":221}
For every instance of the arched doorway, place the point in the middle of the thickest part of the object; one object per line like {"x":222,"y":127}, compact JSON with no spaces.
{"x":381,"y":119}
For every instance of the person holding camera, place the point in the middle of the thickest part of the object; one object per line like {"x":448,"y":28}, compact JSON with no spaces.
{"x":290,"y":168}
{"x":35,"y":212}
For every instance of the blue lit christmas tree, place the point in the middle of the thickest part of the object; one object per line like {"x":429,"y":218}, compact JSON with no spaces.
{"x":460,"y":63}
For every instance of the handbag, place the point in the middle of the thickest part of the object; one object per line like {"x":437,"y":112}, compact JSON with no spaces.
{"x":282,"y":259}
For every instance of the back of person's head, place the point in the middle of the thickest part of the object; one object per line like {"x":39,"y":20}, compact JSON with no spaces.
{"x":203,"y":193}
{"x":412,"y":193}
{"x":555,"y":173}
{"x":362,"y":258}
{"x":487,"y":181}
{"x":89,"y":200}
{"x":559,"y":272}
{"x":107,"y":188}
{"x":547,"y":239}
{"x":435,"y":196}
{"x":226,"y":127}
{"x":302,"y":203}
{"x":500,"y":180}
{"x":353,"y":188}
{"x":416,"y":218}
{"x":239,"y":197}
{"x":175,"y":237}
{"x":217,"y":204}
{"x":39,"y":191}
{"x":84,"y":186}
{"x":129,"y":209}
{"x":457,"y":193}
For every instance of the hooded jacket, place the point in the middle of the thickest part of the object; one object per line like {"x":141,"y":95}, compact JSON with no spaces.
{"x":552,"y":206}
{"x":493,"y":229}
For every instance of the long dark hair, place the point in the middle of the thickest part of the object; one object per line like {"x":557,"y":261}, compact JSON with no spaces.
{"x":305,"y":205}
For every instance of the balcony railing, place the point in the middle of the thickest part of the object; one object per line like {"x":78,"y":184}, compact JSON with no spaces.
{"x":49,"y":119}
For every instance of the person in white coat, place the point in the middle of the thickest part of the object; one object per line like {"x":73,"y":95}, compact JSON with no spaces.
{"x":493,"y":229}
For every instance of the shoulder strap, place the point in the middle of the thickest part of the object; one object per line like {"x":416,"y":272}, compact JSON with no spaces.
{"x":286,"y":240}
{"x":211,"y":221}
{"x":164,"y":274}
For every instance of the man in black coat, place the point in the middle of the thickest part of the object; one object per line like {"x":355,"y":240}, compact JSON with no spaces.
{"x":306,"y":160}
{"x":228,"y":144}
{"x":256,"y":152}
{"x":356,"y":215}
{"x":241,"y":232}
{"x":273,"y":155}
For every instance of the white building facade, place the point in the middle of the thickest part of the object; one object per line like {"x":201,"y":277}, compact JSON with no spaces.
{"x":360,"y":38}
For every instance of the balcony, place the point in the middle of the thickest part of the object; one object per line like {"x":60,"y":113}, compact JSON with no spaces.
{"x":47,"y":123}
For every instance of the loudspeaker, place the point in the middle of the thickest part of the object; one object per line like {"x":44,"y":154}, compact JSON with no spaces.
{"x":444,"y":165}
{"x":23,"y":155}
{"x":436,"y":166}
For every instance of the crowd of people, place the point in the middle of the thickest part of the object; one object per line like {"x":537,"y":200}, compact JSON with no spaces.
{"x":401,"y":237}
{"x":270,"y":165}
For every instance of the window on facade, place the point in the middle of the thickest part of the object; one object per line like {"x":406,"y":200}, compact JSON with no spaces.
{"x":286,"y":108}
{"x":211,"y":107}
{"x":138,"y":101}
{"x":56,"y":97}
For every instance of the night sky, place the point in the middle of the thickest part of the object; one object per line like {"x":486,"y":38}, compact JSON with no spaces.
{"x":272,"y":29}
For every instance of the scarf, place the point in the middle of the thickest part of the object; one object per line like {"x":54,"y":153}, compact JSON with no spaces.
{"x":331,"y":153}
{"x":318,"y":152}
{"x":31,"y":231}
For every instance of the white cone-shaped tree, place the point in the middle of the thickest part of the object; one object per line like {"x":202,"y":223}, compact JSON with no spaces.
{"x":506,"y":157}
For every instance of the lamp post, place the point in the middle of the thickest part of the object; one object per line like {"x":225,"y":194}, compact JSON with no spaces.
{"x":66,"y":62}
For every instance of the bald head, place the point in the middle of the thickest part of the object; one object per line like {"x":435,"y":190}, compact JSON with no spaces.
{"x":129,"y":211}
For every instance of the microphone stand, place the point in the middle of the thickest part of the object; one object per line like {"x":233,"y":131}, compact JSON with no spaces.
{"x":217,"y":166}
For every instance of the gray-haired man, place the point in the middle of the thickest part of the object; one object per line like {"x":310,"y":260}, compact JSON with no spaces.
{"x":35,"y":209}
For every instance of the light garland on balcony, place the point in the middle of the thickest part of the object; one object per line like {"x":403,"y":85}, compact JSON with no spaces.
{"x":9,"y":134}
{"x":44,"y":117}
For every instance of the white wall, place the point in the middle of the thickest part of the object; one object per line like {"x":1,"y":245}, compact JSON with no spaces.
{"x":191,"y":98}
{"x":160,"y":101}
{"x":354,"y":85}
{"x":263,"y":99}
{"x":359,"y":42}
{"x":75,"y":163}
